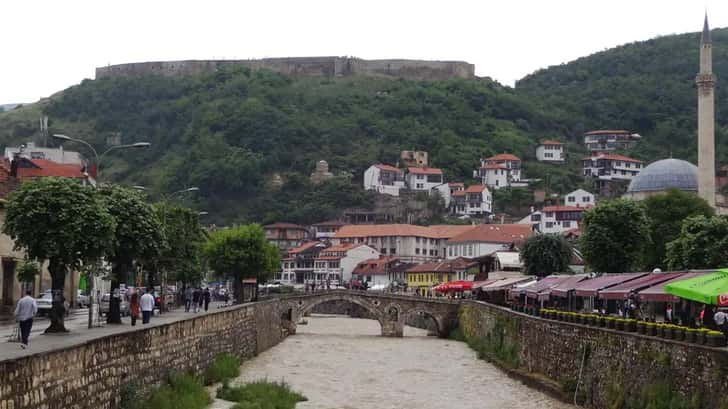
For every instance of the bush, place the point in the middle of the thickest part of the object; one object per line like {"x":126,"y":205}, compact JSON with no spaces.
{"x":224,"y":367}
{"x":183,"y":392}
{"x":261,"y":395}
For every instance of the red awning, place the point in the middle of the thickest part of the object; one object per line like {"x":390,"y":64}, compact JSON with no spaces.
{"x":590,"y":288}
{"x":621,"y":291}
{"x":454,"y":286}
{"x":657,"y":292}
{"x":542,"y":285}
{"x":562,"y":289}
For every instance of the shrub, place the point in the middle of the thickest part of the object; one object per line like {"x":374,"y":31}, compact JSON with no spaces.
{"x":183,"y":392}
{"x":225,"y":366}
{"x":261,"y":394}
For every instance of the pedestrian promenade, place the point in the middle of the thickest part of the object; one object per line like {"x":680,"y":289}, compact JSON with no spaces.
{"x":77,"y":324}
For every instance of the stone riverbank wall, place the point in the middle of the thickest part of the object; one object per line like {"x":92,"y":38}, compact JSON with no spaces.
{"x":619,"y":369}
{"x":92,"y":375}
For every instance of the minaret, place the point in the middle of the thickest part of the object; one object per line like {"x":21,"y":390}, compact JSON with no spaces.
{"x":706,"y":118}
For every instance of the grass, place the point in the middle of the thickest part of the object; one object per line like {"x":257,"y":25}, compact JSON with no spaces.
{"x":261,"y":394}
{"x":183,"y":392}
{"x":224,"y":367}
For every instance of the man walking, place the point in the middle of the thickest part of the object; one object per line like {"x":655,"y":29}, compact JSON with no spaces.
{"x":188,"y":298}
{"x":24,"y":313}
{"x":147,"y":306}
{"x":206,"y":297}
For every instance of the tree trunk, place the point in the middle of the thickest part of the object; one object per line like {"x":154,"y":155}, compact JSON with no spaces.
{"x":58,"y":309}
{"x":119,"y":270}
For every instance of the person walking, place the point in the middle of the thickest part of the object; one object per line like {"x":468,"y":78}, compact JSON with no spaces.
{"x":206,"y":298}
{"x":134,"y":308}
{"x":196,"y":295}
{"x":24,"y":313}
{"x":188,"y":298}
{"x":147,"y":306}
{"x":200,"y":300}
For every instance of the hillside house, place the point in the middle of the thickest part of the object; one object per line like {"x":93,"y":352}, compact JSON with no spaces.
{"x":298,"y":264}
{"x":550,"y":151}
{"x":486,"y":239}
{"x":580,"y":198}
{"x":609,"y":140}
{"x":414,"y":159}
{"x":286,"y":235}
{"x":558,"y":219}
{"x":423,"y":179}
{"x":327,"y":229}
{"x":384,"y":179}
{"x":335,"y":264}
{"x":499,"y":171}
{"x":607,"y":168}
{"x":475,"y":201}
{"x":379,"y":273}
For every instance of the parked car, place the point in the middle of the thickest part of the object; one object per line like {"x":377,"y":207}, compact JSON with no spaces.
{"x":45,"y":302}
{"x":123,"y":305}
{"x":82,"y":300}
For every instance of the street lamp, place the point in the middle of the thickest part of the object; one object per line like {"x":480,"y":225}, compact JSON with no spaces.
{"x":66,"y":138}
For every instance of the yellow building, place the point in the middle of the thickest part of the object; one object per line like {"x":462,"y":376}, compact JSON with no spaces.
{"x":422,"y":277}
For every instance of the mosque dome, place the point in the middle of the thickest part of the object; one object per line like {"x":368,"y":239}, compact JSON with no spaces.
{"x":666,"y":174}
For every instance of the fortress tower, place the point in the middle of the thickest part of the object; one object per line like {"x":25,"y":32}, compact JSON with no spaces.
{"x":706,"y":118}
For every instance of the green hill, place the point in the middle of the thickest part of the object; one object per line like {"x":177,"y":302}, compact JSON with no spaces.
{"x":233,"y":132}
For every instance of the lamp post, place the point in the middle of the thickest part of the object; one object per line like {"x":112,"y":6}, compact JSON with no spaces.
{"x":66,"y":138}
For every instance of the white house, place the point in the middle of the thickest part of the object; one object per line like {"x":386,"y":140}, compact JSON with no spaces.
{"x":423,"y":179}
{"x":558,"y":219}
{"x":336,"y":263}
{"x":550,"y":151}
{"x":499,"y":171}
{"x":609,"y":140}
{"x":611,"y":167}
{"x":476,"y":201}
{"x":486,"y":239}
{"x":580,"y":198}
{"x":384,"y":179}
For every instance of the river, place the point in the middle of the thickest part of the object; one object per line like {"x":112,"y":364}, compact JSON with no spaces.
{"x":343,"y":363}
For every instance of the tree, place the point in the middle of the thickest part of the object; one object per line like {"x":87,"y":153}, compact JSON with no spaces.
{"x":61,"y":221}
{"x":616,"y":235}
{"x":545,"y":254}
{"x":241,"y":252}
{"x":27,"y":271}
{"x":184,"y":240}
{"x":666,"y":213}
{"x":702,"y":244}
{"x":137,"y":237}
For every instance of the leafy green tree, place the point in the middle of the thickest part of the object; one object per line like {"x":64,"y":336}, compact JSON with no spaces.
{"x":546,"y":254}
{"x":702,"y":244}
{"x":61,"y":221}
{"x":666,"y":213}
{"x":180,"y":258}
{"x":27,"y":271}
{"x":616,"y":236}
{"x":138,"y":238}
{"x":241,"y":252}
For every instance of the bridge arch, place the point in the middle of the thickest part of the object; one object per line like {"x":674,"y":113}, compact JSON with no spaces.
{"x":305,"y":308}
{"x":440,"y":328}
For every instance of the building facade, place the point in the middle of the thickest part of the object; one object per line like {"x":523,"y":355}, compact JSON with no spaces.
{"x":286,"y":235}
{"x":558,"y":219}
{"x":475,"y":201}
{"x":609,"y":140}
{"x":384,"y":179}
{"x":423,"y":179}
{"x":580,"y":198}
{"x":550,"y":151}
{"x":499,"y":171}
{"x":414,"y":159}
{"x":486,"y":239}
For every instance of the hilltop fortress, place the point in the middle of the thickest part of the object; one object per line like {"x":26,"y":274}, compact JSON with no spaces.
{"x":306,"y":66}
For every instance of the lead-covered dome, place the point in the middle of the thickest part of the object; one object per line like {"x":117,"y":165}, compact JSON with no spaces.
{"x":666,"y":174}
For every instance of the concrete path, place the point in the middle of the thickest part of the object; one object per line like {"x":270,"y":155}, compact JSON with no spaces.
{"x":77,"y":324}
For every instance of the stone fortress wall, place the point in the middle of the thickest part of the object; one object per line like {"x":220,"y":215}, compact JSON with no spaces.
{"x":92,"y":375}
{"x":306,"y":66}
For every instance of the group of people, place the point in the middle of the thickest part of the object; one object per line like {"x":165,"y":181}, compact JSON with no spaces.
{"x":143,"y":304}
{"x":196,"y":298}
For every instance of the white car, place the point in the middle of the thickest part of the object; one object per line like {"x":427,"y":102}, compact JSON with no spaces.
{"x":45,"y":303}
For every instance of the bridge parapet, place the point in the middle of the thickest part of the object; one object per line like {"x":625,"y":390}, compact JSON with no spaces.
{"x":390,"y":310}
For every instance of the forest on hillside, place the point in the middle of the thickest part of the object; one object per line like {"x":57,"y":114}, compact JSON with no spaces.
{"x":235,"y":132}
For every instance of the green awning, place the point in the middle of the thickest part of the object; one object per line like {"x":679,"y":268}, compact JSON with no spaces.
{"x":82,"y":284}
{"x":707,"y":289}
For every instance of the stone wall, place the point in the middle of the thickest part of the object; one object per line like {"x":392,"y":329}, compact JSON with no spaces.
{"x":616,"y":365}
{"x":92,"y":375}
{"x":307,"y":66}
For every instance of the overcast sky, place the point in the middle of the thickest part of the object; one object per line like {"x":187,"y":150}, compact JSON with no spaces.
{"x":49,"y":45}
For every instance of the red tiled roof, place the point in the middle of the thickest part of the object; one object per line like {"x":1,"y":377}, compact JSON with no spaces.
{"x":475,"y":189}
{"x":458,"y":193}
{"x":341,"y":247}
{"x":607,"y":132}
{"x":425,"y":171}
{"x":460,"y":184}
{"x":504,"y":156}
{"x":388,"y":230}
{"x":550,"y":142}
{"x":388,"y":167}
{"x":373,"y":266}
{"x":613,"y":157}
{"x":48,"y":168}
{"x":303,"y":247}
{"x":563,"y":209}
{"x":495,"y":233}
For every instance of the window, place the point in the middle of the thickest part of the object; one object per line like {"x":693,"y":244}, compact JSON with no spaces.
{"x":571,"y":199}
{"x":549,"y":225}
{"x":549,"y":214}
{"x":417,"y":240}
{"x":417,"y":250}
{"x":392,"y":250}
{"x":449,"y":251}
{"x":496,"y":182}
{"x":383,"y":251}
{"x":586,"y":199}
{"x":566,"y":223}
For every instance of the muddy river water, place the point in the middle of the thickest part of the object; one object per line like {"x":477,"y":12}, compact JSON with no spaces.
{"x":343,"y":363}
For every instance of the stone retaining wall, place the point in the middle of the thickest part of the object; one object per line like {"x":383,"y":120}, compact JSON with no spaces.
{"x":92,"y":375}
{"x":617,"y":366}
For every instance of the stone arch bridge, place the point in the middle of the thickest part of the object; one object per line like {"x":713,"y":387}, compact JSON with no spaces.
{"x":390,"y":310}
